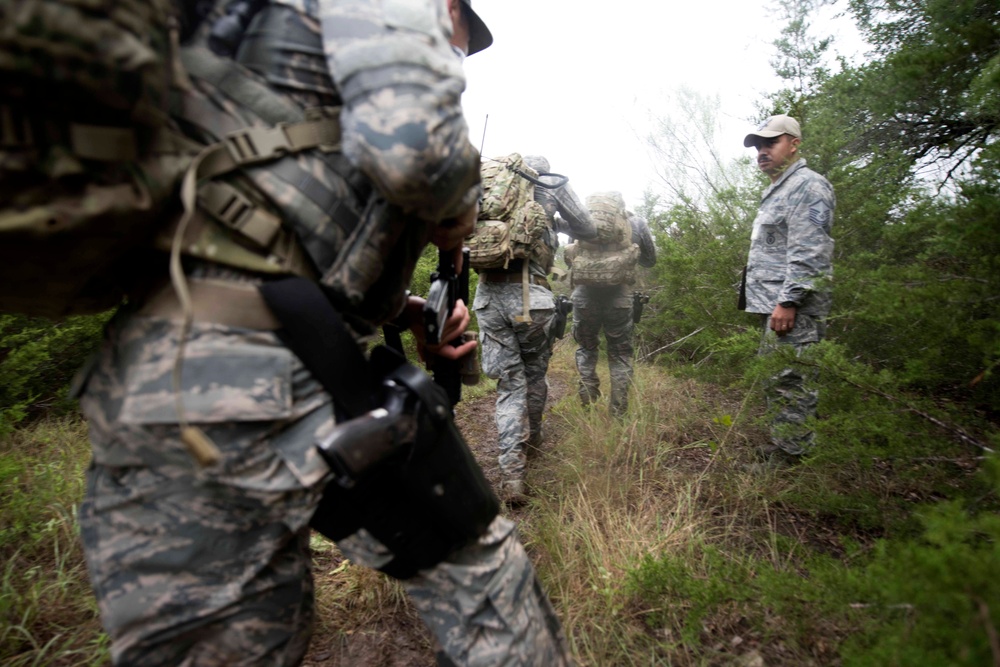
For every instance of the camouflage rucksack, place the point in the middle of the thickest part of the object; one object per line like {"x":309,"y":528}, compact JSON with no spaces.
{"x":90,"y":194}
{"x":611,"y":257}
{"x":88,"y":165}
{"x":511,"y":223}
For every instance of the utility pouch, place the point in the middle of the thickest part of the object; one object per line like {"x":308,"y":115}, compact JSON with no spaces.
{"x":401,"y":468}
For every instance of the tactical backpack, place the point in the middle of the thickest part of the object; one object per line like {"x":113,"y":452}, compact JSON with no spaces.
{"x":511,"y":223}
{"x":88,"y":164}
{"x":610,"y":258}
{"x":93,"y":158}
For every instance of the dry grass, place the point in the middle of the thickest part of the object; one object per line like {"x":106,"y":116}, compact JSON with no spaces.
{"x":665,"y":481}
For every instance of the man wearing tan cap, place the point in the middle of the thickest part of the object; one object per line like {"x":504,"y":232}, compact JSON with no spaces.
{"x":787,"y":278}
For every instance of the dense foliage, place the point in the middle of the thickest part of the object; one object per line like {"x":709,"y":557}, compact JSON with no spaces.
{"x":910,"y":395}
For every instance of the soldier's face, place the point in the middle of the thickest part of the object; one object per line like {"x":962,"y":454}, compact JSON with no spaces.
{"x":460,"y":26}
{"x":773,"y":155}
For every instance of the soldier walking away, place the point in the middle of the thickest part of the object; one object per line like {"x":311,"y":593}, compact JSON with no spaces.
{"x":609,"y":307}
{"x":516,"y":349}
{"x":787,"y":280}
{"x":206,"y":562}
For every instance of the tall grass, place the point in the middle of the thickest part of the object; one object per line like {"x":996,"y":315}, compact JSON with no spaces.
{"x":654,"y":542}
{"x":47,"y":612}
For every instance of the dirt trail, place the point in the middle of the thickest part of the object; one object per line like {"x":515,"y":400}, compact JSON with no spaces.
{"x":397,"y":638}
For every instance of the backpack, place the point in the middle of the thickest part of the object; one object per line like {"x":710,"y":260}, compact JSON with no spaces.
{"x":511,"y":224}
{"x":610,"y":258}
{"x":90,"y":181}
{"x":88,"y":164}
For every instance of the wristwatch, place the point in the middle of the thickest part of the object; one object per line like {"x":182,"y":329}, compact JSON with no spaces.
{"x":788,"y":304}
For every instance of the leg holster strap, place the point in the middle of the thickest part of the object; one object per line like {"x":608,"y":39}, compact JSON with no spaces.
{"x":401,"y":468}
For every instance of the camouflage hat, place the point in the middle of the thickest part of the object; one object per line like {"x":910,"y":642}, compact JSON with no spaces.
{"x":775,"y":126}
{"x":479,"y":35}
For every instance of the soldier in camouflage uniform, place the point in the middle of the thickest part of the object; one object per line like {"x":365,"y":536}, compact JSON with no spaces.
{"x":209,"y":564}
{"x":788,"y":276}
{"x":517,"y":353}
{"x":609,"y":307}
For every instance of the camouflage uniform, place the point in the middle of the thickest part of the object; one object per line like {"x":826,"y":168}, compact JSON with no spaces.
{"x":609,"y":307}
{"x":515,"y":353}
{"x":790,"y":260}
{"x":210,"y":565}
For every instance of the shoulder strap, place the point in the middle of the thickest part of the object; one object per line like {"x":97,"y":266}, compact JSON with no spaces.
{"x":314,"y":330}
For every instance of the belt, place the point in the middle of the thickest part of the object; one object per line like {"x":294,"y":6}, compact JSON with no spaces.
{"x":228,"y":303}
{"x":501,"y":277}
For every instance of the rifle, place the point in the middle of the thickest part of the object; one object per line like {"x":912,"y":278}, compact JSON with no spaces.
{"x":447,"y":287}
{"x":639,"y":299}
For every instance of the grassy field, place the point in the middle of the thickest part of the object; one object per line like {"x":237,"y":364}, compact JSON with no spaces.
{"x":655,"y":544}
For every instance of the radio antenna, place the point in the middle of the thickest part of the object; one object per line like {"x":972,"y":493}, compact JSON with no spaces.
{"x":482,"y":143}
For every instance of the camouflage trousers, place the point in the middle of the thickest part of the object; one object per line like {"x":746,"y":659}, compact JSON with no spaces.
{"x":211,"y":566}
{"x":516,"y":354}
{"x":791,"y":395}
{"x":608,"y":308}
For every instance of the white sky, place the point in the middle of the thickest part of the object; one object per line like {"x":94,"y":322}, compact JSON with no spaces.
{"x":583,"y":95}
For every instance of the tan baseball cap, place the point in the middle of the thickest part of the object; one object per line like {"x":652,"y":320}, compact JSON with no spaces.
{"x":479,"y":34}
{"x":775,"y":126}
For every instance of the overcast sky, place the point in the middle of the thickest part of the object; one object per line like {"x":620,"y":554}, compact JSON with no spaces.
{"x":583,"y":96}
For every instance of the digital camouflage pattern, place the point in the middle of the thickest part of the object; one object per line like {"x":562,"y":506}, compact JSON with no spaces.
{"x":486,"y":606}
{"x":791,"y":395}
{"x":179,"y":574}
{"x":791,"y":250}
{"x":516,"y":355}
{"x":210,"y":565}
{"x":185,"y":560}
{"x":87,"y":165}
{"x":609,"y":307}
{"x":790,"y":259}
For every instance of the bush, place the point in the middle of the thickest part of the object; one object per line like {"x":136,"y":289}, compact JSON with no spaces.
{"x":38,"y":359}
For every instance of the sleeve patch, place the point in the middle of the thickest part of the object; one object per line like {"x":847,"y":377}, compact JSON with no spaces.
{"x":819,"y":214}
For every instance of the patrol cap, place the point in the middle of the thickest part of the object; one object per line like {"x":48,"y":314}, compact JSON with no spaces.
{"x":479,"y":35}
{"x":775,"y":126}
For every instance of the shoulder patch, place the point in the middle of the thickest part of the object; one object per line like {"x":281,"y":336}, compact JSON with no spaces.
{"x":819,"y":214}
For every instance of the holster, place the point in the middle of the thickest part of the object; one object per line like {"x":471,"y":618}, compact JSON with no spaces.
{"x":401,"y":468}
{"x":563,"y":308}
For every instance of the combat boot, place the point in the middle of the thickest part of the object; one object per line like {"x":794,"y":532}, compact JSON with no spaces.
{"x":512,"y":493}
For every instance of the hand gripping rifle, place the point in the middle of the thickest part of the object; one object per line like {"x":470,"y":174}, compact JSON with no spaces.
{"x":400,"y":466}
{"x":447,"y":287}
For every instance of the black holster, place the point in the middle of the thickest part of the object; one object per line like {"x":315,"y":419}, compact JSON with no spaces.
{"x":401,"y":468}
{"x":639,"y":300}
{"x":564,"y":306}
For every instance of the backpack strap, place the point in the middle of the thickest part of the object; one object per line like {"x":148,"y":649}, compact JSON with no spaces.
{"x":525,"y":293}
{"x":254,"y":145}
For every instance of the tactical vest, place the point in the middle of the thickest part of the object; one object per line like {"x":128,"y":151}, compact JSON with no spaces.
{"x":91,"y":165}
{"x":278,"y":201}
